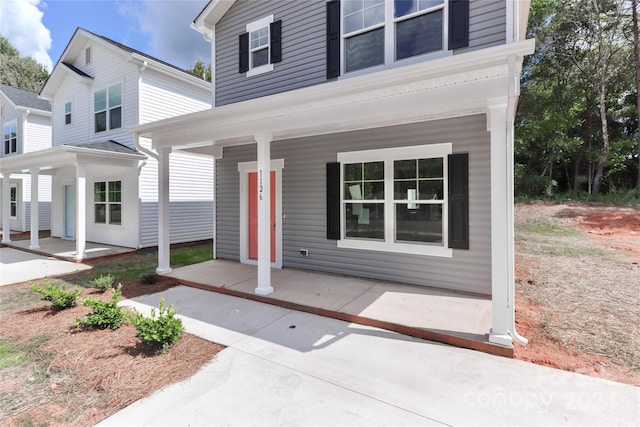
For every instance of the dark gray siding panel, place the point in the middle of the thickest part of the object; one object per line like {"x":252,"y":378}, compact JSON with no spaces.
{"x":487,"y":24}
{"x":303,"y":204}
{"x":303,"y":49}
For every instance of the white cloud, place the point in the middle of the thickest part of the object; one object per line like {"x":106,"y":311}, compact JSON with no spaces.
{"x":21,"y":24}
{"x":168,"y":24}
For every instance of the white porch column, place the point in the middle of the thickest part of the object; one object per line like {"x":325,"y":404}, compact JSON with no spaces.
{"x":35,"y":210}
{"x":164,"y":237}
{"x":6,"y":207}
{"x":264,"y":215}
{"x":501,"y":240}
{"x":81,"y":211}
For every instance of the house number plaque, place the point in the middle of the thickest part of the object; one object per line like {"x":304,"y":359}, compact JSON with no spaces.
{"x":260,"y":186}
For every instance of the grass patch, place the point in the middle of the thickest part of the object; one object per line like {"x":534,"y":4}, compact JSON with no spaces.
{"x":542,"y":226}
{"x":188,"y":255}
{"x":15,"y":298}
{"x":10,"y":355}
{"x":132,"y":266}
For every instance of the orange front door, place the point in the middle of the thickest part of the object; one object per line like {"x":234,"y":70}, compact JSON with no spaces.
{"x":253,"y":215}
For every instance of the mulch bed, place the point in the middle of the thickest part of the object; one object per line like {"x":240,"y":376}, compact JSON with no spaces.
{"x":85,"y":375}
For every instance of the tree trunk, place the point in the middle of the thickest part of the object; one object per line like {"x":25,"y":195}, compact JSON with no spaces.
{"x":636,"y":51}
{"x":597,"y":180}
{"x":576,"y":173}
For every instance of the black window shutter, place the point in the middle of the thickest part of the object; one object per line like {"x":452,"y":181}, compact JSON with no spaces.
{"x":333,"y":201}
{"x":458,"y":23}
{"x":243,"y":58}
{"x":459,"y":201}
{"x":333,"y":39}
{"x":275,"y":35}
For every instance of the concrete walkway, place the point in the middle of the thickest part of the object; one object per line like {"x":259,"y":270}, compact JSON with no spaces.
{"x":19,"y":266}
{"x":284,"y":367}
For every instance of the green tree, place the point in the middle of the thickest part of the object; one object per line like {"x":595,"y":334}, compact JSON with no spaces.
{"x":18,"y":71}
{"x":573,"y":127}
{"x":200,"y":70}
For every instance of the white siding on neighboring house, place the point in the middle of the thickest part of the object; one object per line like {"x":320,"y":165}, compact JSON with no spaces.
{"x":38,"y":132}
{"x":44,"y":197}
{"x":191,"y":198}
{"x":107,"y":68}
{"x":161,"y":97}
{"x":77,"y":132}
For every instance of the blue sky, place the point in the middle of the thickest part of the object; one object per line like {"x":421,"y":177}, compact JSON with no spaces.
{"x":160,"y":28}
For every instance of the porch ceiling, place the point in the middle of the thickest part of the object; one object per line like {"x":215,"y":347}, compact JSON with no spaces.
{"x":453,"y":86}
{"x":46,"y":161}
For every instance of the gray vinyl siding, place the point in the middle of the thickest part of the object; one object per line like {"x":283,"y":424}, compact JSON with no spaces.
{"x":303,"y":49}
{"x":304,"y":44}
{"x":487,"y":24}
{"x":304,"y":205}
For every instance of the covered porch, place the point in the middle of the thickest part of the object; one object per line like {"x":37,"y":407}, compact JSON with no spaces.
{"x":73,"y":169}
{"x":66,"y":249}
{"x":454,"y":318}
{"x":480,"y":83}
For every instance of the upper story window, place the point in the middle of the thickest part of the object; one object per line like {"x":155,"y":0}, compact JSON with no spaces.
{"x":67,"y":113}
{"x":87,"y":56}
{"x":260,"y":47}
{"x":379,"y":33}
{"x":11,"y":137}
{"x":107,"y":107}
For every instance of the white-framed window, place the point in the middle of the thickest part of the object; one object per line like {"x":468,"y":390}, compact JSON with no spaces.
{"x":395,"y":200}
{"x":107,"y":200}
{"x":107,"y":108}
{"x":87,"y":55}
{"x":13,"y":201}
{"x":67,"y":113}
{"x":11,"y":137}
{"x":259,"y":46}
{"x":381,"y":32}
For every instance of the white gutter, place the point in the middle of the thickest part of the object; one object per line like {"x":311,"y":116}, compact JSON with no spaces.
{"x":513,"y":92}
{"x":136,"y":142}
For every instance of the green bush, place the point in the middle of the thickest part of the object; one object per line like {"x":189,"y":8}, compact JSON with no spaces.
{"x":161,"y":329}
{"x":59,"y":297}
{"x":148,"y":278}
{"x":105,"y":314}
{"x":103,"y":282}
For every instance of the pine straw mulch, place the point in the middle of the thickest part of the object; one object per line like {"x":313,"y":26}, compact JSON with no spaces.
{"x":81,"y":376}
{"x":577,"y":288}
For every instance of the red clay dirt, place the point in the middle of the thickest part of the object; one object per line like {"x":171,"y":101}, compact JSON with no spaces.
{"x":613,"y":227}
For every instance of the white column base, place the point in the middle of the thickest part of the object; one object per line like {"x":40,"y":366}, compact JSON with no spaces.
{"x":163,"y":270}
{"x":263,"y":291}
{"x":34,"y":246}
{"x":502,"y":339}
{"x":6,"y":241}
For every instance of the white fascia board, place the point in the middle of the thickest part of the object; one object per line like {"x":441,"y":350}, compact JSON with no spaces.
{"x":61,"y":156}
{"x":211,"y":14}
{"x":473,"y":77}
{"x":143,"y":62}
{"x":35,"y":111}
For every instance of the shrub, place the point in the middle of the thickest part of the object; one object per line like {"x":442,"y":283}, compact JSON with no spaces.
{"x":148,"y":278}
{"x":59,"y":297}
{"x":103,"y":282}
{"x":105,"y":314}
{"x":161,"y":329}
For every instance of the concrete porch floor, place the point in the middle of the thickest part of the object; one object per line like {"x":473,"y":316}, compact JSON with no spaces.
{"x":449,"y":317}
{"x":66,"y":249}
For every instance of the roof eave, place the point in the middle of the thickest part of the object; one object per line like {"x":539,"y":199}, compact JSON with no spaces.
{"x":338,"y":97}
